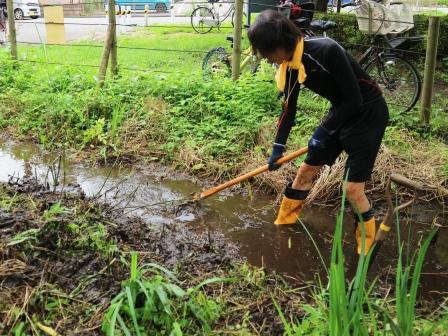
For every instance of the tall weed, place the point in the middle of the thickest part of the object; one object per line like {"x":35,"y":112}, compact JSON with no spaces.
{"x":354,"y":310}
{"x":158,"y":305}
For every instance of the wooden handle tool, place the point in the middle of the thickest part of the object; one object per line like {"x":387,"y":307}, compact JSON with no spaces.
{"x":262,"y":169}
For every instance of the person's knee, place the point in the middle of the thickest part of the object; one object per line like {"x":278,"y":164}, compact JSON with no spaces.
{"x":354,"y":191}
{"x":305,"y":176}
{"x":309,"y":170}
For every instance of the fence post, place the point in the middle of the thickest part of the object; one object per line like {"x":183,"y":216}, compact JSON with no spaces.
{"x":172,"y":11}
{"x":113,"y":42}
{"x":122,"y":19}
{"x":236,"y":57}
{"x":146,"y":15}
{"x":117,"y":17}
{"x":430,"y":67}
{"x":338,"y":6}
{"x":249,"y":12}
{"x":12,"y":28}
{"x":108,"y":45}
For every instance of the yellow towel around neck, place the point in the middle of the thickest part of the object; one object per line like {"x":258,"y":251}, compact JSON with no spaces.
{"x":294,"y":63}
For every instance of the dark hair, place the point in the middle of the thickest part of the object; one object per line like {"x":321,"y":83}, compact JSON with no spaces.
{"x":272,"y":31}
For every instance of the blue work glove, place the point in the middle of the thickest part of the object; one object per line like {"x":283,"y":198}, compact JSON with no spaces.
{"x":318,"y":139}
{"x":277,"y":153}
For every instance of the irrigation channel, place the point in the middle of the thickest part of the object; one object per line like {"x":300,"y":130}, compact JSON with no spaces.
{"x":244,"y":219}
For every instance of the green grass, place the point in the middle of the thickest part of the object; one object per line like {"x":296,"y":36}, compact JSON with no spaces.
{"x":163,"y":306}
{"x":158,"y":39}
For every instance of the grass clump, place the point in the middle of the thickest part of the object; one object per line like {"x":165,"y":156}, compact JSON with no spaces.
{"x":157,"y":306}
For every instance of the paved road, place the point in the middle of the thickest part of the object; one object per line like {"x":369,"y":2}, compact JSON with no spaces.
{"x":33,"y":31}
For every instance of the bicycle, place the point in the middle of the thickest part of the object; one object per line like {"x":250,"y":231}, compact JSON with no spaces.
{"x":204,"y":19}
{"x":302,"y":16}
{"x":218,"y":62}
{"x":385,"y":60}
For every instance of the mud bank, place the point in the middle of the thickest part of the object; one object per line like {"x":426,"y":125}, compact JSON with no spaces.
{"x":63,"y":257}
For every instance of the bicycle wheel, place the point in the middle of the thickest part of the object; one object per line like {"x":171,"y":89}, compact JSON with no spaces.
{"x":203,"y":20}
{"x":398,"y":79}
{"x":244,"y":19}
{"x":216,"y":64}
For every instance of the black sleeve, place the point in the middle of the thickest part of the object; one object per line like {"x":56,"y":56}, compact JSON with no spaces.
{"x":339,"y":64}
{"x":288,"y":115}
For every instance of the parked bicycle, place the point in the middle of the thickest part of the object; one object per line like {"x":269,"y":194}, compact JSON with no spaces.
{"x":385,"y":60}
{"x":205,"y":18}
{"x":218,"y":62}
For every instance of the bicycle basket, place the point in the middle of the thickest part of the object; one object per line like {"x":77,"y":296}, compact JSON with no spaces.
{"x":405,"y":18}
{"x":375,"y":19}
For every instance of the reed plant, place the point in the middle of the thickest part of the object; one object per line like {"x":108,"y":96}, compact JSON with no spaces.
{"x":353,"y":308}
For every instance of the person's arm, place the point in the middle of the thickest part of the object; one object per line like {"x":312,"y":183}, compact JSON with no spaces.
{"x":286,"y":120}
{"x":288,"y":115}
{"x":339,"y":66}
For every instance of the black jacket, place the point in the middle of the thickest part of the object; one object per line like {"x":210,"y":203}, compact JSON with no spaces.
{"x":333,"y":74}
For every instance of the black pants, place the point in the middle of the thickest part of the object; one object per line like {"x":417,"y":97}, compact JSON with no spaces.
{"x":360,"y":139}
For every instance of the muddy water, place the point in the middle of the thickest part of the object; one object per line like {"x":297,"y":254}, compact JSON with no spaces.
{"x":156,"y":194}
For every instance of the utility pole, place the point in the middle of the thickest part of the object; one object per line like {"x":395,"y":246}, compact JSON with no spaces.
{"x":238,"y":26}
{"x":12,"y":29}
{"x":430,"y":67}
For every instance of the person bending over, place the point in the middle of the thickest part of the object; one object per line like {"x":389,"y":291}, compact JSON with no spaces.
{"x":355,"y":122}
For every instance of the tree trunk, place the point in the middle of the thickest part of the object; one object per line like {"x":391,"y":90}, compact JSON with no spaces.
{"x":113,"y":50}
{"x":238,"y":23}
{"x":105,"y":57}
{"x":110,"y":46}
{"x":12,"y":29}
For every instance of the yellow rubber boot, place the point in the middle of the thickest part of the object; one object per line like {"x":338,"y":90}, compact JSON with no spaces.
{"x":289,"y":211}
{"x":291,"y":205}
{"x":370,"y":231}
